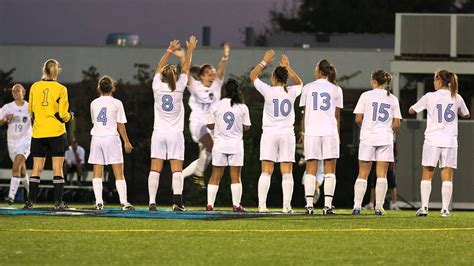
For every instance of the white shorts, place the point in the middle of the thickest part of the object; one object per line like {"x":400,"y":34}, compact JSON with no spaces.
{"x":106,"y":150}
{"x":446,"y":157}
{"x":22,"y":149}
{"x":167,"y":146}
{"x":376,"y":153}
{"x":198,"y":130}
{"x":223,"y":159}
{"x":321,"y":147}
{"x":277,"y":148}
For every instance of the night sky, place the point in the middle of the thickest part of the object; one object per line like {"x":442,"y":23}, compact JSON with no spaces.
{"x":87,"y":22}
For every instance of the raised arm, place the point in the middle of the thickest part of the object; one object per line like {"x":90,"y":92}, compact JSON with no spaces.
{"x":174,"y":45}
{"x":286,"y":63}
{"x":223,"y":63}
{"x":257,"y":70}
{"x":191,"y":44}
{"x":123,"y":133}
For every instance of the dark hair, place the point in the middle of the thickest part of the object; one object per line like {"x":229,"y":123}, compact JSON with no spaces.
{"x":106,"y":84}
{"x":233,"y":92}
{"x":448,"y":79}
{"x":203,"y":69}
{"x":327,"y":70}
{"x":382,"y":77}
{"x":168,"y":75}
{"x":281,"y":75}
{"x":194,"y":72}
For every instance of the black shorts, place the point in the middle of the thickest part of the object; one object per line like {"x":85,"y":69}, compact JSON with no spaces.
{"x":54,"y":146}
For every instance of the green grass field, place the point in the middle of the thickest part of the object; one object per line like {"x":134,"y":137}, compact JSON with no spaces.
{"x":397,"y":238}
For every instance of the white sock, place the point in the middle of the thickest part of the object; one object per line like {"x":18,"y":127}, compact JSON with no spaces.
{"x":121,"y":186}
{"x":177,"y":183}
{"x":203,"y":161}
{"x":97,"y":186}
{"x":211,"y":194}
{"x":360,"y":187}
{"x":425,"y":188}
{"x":189,"y":171}
{"x":153,"y":183}
{"x":309,"y":188}
{"x":380,"y":192}
{"x":446,"y":193}
{"x":236,"y":190}
{"x":263,"y":187}
{"x":14,"y":184}
{"x":287,"y":186}
{"x":329,"y":188}
{"x":26,"y":181}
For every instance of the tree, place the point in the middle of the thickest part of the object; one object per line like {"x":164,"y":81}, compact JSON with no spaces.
{"x":360,"y":16}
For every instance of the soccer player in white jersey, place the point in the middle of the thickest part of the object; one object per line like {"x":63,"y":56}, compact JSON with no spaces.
{"x":205,"y":92}
{"x":16,"y":115}
{"x":378,"y":114}
{"x":322,"y":99}
{"x":167,"y":141}
{"x":229,"y":119}
{"x":278,"y":140}
{"x":108,"y":118}
{"x":441,"y":137}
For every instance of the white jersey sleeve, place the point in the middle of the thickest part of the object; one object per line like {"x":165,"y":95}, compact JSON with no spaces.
{"x":2,"y":113}
{"x":339,"y":98}
{"x":396,"y":108}
{"x":360,"y":106}
{"x":261,"y":86}
{"x":421,"y":104}
{"x":462,"y":105}
{"x":246,"y":121}
{"x":182,"y":83}
{"x":303,"y":96}
{"x":121,"y":118}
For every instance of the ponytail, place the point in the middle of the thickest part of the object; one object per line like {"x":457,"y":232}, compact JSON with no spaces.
{"x":281,"y":76}
{"x":448,"y":79}
{"x":233,"y":92}
{"x":50,"y":69}
{"x":168,"y":75}
{"x":328,"y":70}
{"x":384,"y":78}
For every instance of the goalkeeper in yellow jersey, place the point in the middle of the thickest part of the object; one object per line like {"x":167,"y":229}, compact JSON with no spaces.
{"x":49,"y":109}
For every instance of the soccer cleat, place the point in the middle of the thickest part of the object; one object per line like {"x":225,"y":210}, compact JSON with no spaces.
{"x":9,"y":200}
{"x":379,"y":212}
{"x":422,"y":212}
{"x":287,"y":210}
{"x":445,"y":213}
{"x":99,"y":206}
{"x":263,"y":209}
{"x":28,"y":205}
{"x":60,"y":205}
{"x":127,"y":207}
{"x":179,"y":208}
{"x":209,"y":208}
{"x":328,"y":210}
{"x":309,"y":210}
{"x":199,"y":181}
{"x":356,"y":211}
{"x":238,"y":208}
{"x":152,"y":207}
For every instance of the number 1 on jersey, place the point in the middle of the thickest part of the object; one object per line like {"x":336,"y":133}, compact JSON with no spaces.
{"x":102,"y":117}
{"x":45,"y":97}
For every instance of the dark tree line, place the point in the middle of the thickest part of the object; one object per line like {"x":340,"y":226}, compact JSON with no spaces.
{"x":361,"y":16}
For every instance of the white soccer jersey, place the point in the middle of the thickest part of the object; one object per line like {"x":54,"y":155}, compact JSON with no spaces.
{"x":228,"y":129}
{"x":320,"y":99}
{"x":442,"y":117}
{"x":202,"y":98}
{"x":169,"y":109}
{"x":106,"y":112}
{"x":278,"y":111}
{"x":19,"y":129}
{"x":378,"y":109}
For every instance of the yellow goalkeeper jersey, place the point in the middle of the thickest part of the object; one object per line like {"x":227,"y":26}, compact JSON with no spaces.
{"x":49,"y":107}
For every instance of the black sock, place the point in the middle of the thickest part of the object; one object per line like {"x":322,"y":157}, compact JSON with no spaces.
{"x":178,"y":200}
{"x":33,"y":188}
{"x":58,"y":184}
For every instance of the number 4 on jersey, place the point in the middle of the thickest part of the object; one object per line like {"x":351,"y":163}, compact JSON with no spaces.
{"x":102,"y":117}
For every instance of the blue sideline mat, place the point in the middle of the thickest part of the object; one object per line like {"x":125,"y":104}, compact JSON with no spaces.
{"x":138,"y":213}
